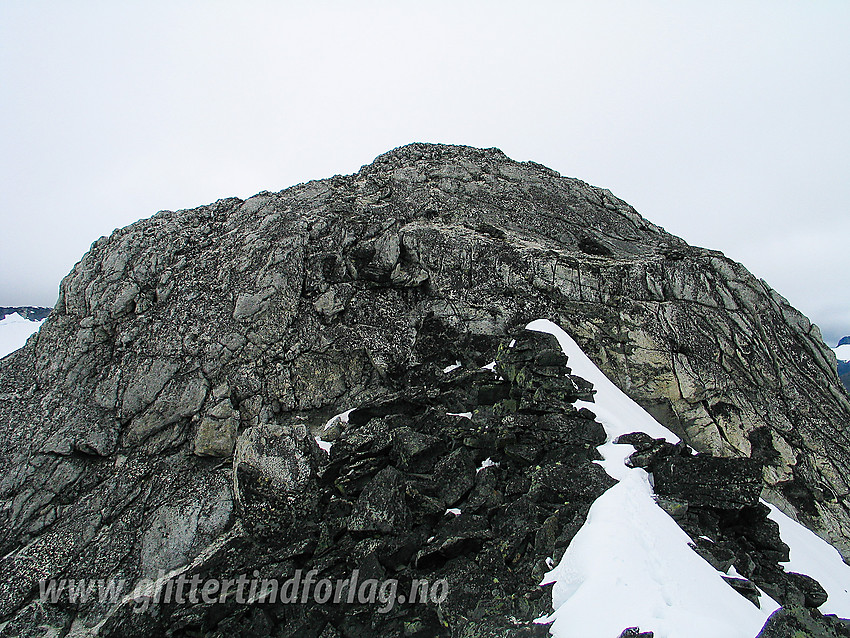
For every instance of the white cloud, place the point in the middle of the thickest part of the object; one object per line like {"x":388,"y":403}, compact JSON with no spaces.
{"x":719,"y":122}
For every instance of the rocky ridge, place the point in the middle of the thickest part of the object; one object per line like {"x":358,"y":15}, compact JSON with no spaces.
{"x":180,"y":339}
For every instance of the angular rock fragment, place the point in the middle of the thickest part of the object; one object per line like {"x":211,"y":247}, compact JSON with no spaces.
{"x":273,"y":313}
{"x":709,"y":481}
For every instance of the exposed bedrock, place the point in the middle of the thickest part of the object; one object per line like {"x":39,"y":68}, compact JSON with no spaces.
{"x":189,"y":339}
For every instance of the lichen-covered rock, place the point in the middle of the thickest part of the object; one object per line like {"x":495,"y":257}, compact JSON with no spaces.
{"x":216,"y":435}
{"x":814,"y":594}
{"x":380,"y":506}
{"x":799,"y":622}
{"x":274,"y":482}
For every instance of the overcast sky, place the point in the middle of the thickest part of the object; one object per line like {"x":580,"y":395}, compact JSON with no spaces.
{"x":725,"y":122}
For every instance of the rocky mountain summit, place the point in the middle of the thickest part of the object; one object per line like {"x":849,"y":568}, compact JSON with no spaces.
{"x":159,"y":423}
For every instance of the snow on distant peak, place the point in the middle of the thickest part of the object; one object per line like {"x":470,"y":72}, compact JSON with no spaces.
{"x":842,"y":352}
{"x":631,"y":564}
{"x":15,"y":329}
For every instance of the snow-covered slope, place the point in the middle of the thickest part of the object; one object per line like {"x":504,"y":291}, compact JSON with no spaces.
{"x":631,"y":565}
{"x":14,"y":332}
{"x":842,"y":352}
{"x":813,"y":556}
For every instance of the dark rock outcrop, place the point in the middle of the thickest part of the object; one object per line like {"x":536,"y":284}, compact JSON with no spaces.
{"x":716,"y":501}
{"x":480,"y":501}
{"x":708,"y":481}
{"x":194,"y":333}
{"x":844,"y":373}
{"x":799,"y":622}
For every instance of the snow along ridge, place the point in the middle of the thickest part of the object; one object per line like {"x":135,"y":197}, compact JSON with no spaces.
{"x":632,"y":565}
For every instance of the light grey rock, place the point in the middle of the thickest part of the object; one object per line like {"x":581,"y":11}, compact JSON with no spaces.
{"x":248,"y":305}
{"x":179,"y":400}
{"x":275,"y":455}
{"x":328,"y":305}
{"x":147,"y":382}
{"x":178,"y":531}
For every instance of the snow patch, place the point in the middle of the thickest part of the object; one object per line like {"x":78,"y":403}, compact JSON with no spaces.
{"x":451,"y":368}
{"x":631,"y":564}
{"x":842,"y":353}
{"x":488,"y":462}
{"x":813,"y":556}
{"x":342,"y":417}
{"x":14,"y":332}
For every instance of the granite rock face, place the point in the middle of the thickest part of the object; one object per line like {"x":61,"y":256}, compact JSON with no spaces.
{"x":181,"y":343}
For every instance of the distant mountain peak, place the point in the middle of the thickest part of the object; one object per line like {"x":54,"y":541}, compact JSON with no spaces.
{"x":33,"y":313}
{"x":17,"y":324}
